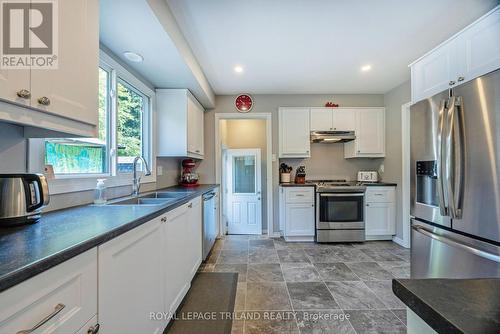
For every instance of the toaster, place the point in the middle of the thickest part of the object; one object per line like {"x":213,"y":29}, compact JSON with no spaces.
{"x":367,"y":176}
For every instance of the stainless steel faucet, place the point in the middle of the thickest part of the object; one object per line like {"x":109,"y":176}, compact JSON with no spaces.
{"x":136,"y":183}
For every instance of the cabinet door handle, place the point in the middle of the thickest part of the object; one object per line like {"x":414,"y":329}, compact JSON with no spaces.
{"x":24,"y":94}
{"x":44,"y":101}
{"x":190,"y":205}
{"x":367,"y":204}
{"x":451,"y":83}
{"x":460,"y":79}
{"x":58,"y":308}
{"x":197,"y":151}
{"x":164,"y":219}
{"x":94,"y":329}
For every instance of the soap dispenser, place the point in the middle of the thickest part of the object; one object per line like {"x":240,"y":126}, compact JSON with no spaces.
{"x":100,"y":192}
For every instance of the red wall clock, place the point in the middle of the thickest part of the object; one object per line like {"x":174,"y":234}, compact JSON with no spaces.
{"x":243,"y":103}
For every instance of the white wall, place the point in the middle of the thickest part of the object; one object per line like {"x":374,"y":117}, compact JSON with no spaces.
{"x":12,"y":149}
{"x":393,"y":101}
{"x":270,"y":104}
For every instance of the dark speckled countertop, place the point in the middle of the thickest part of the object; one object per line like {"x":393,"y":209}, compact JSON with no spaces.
{"x":368,"y":184}
{"x":453,"y":305}
{"x":60,"y":235}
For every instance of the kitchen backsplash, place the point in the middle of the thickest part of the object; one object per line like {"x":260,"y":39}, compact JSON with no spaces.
{"x":327,"y":161}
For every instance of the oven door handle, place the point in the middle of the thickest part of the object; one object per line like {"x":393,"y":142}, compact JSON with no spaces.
{"x":341,"y":194}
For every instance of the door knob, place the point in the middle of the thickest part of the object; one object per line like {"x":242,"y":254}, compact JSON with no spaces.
{"x":45,"y":101}
{"x":24,"y":94}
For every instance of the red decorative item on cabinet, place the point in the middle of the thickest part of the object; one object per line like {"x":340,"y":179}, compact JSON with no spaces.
{"x":188,"y":177}
{"x":243,"y":103}
{"x":331,"y":105}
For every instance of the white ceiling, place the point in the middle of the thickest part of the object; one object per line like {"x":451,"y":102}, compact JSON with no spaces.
{"x":316,"y":46}
{"x":132,"y":25}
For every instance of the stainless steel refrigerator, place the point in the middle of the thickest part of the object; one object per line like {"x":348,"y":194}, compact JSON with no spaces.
{"x":455,"y":182}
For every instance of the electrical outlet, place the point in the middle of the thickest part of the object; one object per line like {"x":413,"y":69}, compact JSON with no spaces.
{"x":159,"y":170}
{"x":381,"y":168}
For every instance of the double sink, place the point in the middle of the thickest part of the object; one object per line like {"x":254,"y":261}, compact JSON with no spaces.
{"x":155,"y":198}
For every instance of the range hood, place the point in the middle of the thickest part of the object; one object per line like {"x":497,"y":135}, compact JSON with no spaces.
{"x":332,"y":136}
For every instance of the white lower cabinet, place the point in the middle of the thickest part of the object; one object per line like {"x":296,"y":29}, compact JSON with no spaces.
{"x":143,"y":271}
{"x":91,"y":327}
{"x":297,"y":213}
{"x":61,"y":300}
{"x":380,"y":213}
{"x":131,"y":280}
{"x":183,"y":251}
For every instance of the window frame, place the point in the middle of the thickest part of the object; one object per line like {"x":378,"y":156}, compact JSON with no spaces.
{"x":66,"y":183}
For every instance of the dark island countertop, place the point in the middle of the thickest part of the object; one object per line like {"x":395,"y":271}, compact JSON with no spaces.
{"x":28,"y":250}
{"x":453,"y":305}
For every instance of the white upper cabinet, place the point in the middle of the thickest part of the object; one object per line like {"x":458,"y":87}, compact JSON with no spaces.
{"x":471,"y":53}
{"x":64,"y":99}
{"x":321,"y":119}
{"x":432,"y":74}
{"x":344,"y":119}
{"x":370,"y":135}
{"x":14,"y":82}
{"x":294,"y":133}
{"x":72,"y":90}
{"x":180,"y":124}
{"x":479,"y":47}
{"x":332,"y":119}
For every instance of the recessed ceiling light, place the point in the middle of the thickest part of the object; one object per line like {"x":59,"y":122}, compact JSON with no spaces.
{"x":238,"y":69}
{"x":366,"y":68}
{"x":133,"y":57}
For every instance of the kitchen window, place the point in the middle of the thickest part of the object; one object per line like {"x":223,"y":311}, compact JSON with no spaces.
{"x":124,"y":132}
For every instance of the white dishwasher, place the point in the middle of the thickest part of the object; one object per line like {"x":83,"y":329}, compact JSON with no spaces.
{"x":209,"y":221}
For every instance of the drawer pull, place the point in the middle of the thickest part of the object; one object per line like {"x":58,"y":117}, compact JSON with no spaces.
{"x":190,"y":205}
{"x":301,"y":195}
{"x":378,"y":194}
{"x":58,"y":308}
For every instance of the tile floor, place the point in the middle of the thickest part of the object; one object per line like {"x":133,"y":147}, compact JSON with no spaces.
{"x":310,"y":288}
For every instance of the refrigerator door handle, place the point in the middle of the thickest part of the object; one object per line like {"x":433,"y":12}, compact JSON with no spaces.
{"x":453,"y":243}
{"x":455,"y":157}
{"x":441,"y":166}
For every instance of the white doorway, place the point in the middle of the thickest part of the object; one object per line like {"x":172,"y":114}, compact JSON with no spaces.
{"x":242,"y":169}
{"x":222,"y":125}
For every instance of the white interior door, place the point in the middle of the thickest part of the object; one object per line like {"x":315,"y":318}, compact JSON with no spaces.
{"x":243,"y":191}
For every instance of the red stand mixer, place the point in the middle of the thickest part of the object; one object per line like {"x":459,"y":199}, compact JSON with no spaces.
{"x":188,"y":177}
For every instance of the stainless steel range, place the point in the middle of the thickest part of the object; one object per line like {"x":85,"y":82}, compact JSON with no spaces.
{"x":340,"y":210}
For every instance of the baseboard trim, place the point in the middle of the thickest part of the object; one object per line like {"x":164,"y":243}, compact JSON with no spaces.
{"x":400,"y":242}
{"x":299,"y":238}
{"x":378,"y":237}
